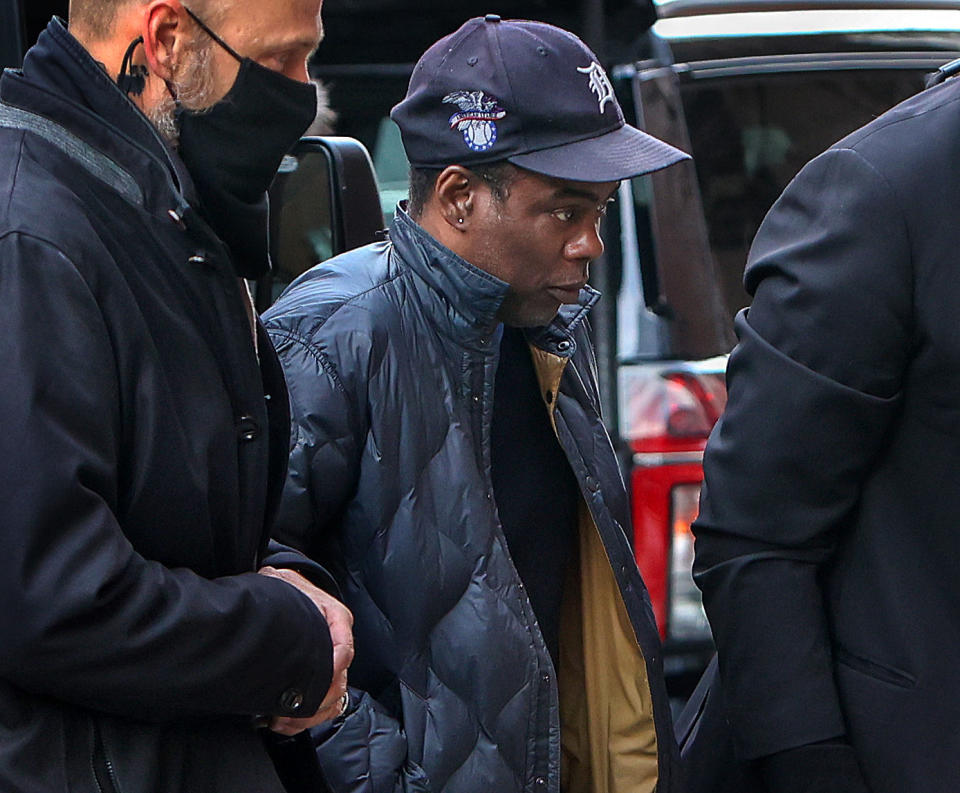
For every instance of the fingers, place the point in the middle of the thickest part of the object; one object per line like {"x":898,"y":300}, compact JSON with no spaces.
{"x":339,"y":621}
{"x":289,"y":727}
{"x":336,"y":692}
{"x":338,"y":617}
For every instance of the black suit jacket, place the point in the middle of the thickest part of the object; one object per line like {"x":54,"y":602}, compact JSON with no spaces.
{"x":828,"y":545}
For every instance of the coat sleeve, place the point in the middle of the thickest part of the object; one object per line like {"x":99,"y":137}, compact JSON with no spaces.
{"x":813,"y":385}
{"x":85,"y":618}
{"x":327,"y":372}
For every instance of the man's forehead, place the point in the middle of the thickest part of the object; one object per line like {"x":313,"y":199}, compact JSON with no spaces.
{"x":555,"y":187}
{"x":293,"y":19}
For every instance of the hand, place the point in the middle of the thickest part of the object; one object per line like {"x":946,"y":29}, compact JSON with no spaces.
{"x":340,"y":623}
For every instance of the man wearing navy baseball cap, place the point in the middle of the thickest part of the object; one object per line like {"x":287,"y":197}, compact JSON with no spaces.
{"x":450,"y":464}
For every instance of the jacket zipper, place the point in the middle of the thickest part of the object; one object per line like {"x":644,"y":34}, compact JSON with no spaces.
{"x":103,"y":771}
{"x":482,"y":431}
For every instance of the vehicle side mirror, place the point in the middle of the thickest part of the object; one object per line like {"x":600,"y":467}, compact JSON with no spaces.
{"x":324,"y":201}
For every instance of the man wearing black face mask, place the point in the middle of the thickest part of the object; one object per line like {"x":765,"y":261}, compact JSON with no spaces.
{"x":233,"y":149}
{"x":145,"y":423}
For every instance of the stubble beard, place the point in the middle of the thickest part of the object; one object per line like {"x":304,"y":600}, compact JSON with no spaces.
{"x":192,"y":85}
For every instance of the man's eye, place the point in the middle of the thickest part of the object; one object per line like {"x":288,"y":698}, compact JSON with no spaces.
{"x":564,"y":215}
{"x":276,"y":61}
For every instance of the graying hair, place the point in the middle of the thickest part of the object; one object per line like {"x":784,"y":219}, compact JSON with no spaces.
{"x":96,"y":18}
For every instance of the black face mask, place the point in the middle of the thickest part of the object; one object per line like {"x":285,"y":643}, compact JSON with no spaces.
{"x":233,"y":150}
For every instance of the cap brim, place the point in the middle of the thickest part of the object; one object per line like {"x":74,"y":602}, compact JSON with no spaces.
{"x":620,"y":154}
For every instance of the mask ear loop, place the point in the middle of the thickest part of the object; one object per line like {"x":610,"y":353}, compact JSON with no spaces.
{"x":133,"y":77}
{"x":213,"y":35}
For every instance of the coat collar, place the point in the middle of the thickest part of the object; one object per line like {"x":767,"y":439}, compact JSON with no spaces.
{"x":61,"y":81}
{"x":471,"y":297}
{"x":558,"y":336}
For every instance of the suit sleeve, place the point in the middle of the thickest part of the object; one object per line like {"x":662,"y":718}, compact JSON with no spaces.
{"x":813,"y":385}
{"x":86,"y":619}
{"x":327,"y":372}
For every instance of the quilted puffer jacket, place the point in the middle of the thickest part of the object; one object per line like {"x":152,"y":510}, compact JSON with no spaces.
{"x":390,"y":353}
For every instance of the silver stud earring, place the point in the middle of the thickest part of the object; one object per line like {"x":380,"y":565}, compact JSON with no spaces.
{"x":459,"y":220}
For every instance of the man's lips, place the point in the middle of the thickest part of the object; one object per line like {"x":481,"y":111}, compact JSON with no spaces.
{"x":567,"y":293}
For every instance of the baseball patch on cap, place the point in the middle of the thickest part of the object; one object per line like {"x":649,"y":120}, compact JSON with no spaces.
{"x":599,"y":83}
{"x":477,"y":119}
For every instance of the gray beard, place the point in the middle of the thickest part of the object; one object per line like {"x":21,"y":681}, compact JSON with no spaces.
{"x":192,"y":86}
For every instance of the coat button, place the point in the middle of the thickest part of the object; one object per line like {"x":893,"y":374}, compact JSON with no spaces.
{"x":564,"y":345}
{"x":249,"y":431}
{"x":541,"y":781}
{"x":592,"y":484}
{"x":291,"y":700}
{"x":177,"y":218}
{"x":197,"y":258}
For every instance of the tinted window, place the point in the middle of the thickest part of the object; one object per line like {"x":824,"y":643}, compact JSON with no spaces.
{"x":302,"y":233}
{"x":751,"y":134}
{"x":362,"y":97}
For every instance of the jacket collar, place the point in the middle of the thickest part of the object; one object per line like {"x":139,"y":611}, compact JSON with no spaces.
{"x":472,"y":297}
{"x":61,"y":81}
{"x":558,"y":336}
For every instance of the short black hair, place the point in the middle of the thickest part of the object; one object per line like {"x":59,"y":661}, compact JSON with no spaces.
{"x":498,"y":176}
{"x":422,"y":181}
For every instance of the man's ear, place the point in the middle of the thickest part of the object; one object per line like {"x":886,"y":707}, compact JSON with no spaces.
{"x":164,"y":22}
{"x":454,"y":195}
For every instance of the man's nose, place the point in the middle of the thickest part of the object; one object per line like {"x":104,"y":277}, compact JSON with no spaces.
{"x":586,"y":245}
{"x":298,"y":72}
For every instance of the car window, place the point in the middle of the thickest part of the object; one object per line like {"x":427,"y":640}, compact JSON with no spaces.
{"x":751,"y":134}
{"x":302,"y":233}
{"x":362,"y":97}
{"x":392,"y":167}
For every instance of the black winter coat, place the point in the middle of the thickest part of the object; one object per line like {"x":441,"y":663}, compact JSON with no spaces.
{"x":827,"y":543}
{"x":390,"y":354}
{"x":136,"y":450}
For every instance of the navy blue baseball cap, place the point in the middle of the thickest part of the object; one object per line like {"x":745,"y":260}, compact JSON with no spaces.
{"x":526,"y":92}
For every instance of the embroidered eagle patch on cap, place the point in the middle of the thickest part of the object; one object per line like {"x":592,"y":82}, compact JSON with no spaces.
{"x":479,"y":112}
